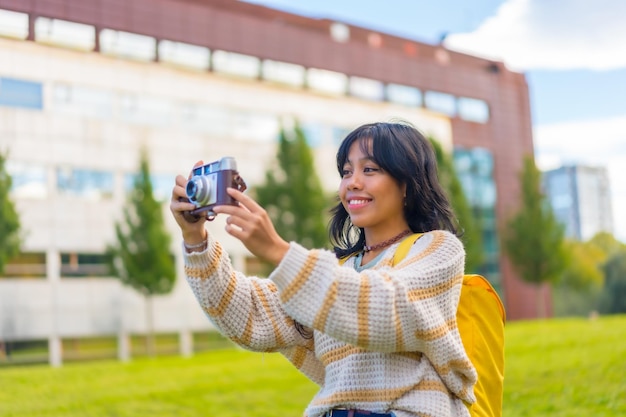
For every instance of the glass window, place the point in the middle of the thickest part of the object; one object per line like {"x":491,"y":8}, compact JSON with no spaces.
{"x":236,"y":64}
{"x":161,"y":185}
{"x":26,"y":265}
{"x":314,"y":134}
{"x":21,"y":93}
{"x":339,"y":134}
{"x":128,"y":45}
{"x":254,"y":126}
{"x":403,"y":94}
{"x":327,"y":81}
{"x":473,"y":110}
{"x":75,"y":265}
{"x":64,"y":33}
{"x":184,"y":54}
{"x":283,"y":72}
{"x":366,"y":88}
{"x":28,"y":180}
{"x":440,"y":102}
{"x":84,"y":101}
{"x":206,"y":119}
{"x":148,"y":110}
{"x":462,"y":160}
{"x":87,"y":183}
{"x":13,"y":24}
{"x":482,"y":161}
{"x":485,"y":192}
{"x":475,"y":170}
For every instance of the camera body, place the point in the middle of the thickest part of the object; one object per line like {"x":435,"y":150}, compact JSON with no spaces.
{"x":207,"y":187}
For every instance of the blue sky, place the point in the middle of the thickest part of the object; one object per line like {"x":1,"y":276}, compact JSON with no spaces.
{"x":573,"y":53}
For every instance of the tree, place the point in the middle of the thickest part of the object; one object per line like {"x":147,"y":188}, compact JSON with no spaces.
{"x":292,"y":193}
{"x":470,"y":226}
{"x":584,"y":269}
{"x":607,"y":243}
{"x":533,"y":238}
{"x":141,"y":257}
{"x":9,"y":220}
{"x":613,"y":299}
{"x":580,"y":287}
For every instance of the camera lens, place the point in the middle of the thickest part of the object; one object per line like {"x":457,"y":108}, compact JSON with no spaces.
{"x":191,"y":190}
{"x":199,"y":190}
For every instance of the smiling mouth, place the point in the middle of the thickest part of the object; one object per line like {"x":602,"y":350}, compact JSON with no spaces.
{"x":356,"y":203}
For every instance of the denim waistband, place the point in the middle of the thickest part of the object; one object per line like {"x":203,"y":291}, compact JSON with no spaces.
{"x":354,"y":413}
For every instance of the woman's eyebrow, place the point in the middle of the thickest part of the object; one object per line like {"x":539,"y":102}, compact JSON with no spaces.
{"x":364,"y":159}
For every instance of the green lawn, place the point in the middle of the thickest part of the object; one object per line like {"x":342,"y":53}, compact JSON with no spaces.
{"x":563,"y":368}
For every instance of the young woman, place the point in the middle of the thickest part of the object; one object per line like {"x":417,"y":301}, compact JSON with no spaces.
{"x":380,"y":340}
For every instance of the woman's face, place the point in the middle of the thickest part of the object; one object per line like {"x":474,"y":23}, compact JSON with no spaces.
{"x":373,"y":198}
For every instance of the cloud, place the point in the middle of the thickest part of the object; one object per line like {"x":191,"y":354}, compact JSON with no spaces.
{"x":551,"y":34}
{"x":600,"y":142}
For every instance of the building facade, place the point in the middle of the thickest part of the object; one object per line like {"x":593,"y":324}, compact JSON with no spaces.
{"x":581,"y":199}
{"x":84,"y":87}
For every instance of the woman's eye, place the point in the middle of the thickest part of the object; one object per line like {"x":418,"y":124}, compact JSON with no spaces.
{"x":370,"y":169}
{"x":345,"y":172}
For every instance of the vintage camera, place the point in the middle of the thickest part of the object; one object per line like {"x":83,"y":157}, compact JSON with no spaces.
{"x":207,"y":187}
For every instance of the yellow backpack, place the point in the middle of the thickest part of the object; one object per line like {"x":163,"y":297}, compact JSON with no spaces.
{"x":480,"y":319}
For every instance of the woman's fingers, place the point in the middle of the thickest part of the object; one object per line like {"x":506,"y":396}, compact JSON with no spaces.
{"x":244,"y":200}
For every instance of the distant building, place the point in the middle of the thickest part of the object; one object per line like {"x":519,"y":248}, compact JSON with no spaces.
{"x":84,"y":85}
{"x":581,"y":199}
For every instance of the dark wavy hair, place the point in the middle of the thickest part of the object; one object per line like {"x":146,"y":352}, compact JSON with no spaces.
{"x":405,"y":154}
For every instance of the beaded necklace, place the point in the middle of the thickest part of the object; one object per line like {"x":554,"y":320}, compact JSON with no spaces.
{"x":387,"y":242}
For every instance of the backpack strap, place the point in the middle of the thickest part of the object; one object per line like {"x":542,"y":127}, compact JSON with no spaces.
{"x":401,"y":251}
{"x":405,"y":246}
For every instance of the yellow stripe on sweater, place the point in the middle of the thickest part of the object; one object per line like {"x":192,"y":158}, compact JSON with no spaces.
{"x":301,"y":278}
{"x":298,"y":356}
{"x":436,"y":332}
{"x":258,"y":289}
{"x":226,"y":298}
{"x":246,"y":336}
{"x":453,"y":365}
{"x":329,"y":301}
{"x":363,"y":301}
{"x":431,"y":292}
{"x":339,"y":354}
{"x":203,"y":273}
{"x":345,"y":351}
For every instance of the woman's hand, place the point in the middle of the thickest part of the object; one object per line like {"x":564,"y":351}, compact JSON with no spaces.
{"x":250,"y":223}
{"x":193,"y":233}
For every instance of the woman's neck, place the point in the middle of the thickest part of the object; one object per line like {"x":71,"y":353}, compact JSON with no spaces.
{"x":374,"y":237}
{"x":373,"y":248}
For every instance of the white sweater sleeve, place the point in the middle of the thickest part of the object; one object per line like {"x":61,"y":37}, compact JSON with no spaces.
{"x":247,"y":309}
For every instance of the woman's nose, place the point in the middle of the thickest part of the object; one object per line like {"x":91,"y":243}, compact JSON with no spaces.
{"x":355,"y":182}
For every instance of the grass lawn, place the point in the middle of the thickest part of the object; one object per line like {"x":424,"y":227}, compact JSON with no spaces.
{"x":574,"y":367}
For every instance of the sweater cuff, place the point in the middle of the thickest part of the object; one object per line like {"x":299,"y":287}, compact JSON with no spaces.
{"x":204,"y":258}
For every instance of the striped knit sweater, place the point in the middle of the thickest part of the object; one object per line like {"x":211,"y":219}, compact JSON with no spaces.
{"x":384,"y":339}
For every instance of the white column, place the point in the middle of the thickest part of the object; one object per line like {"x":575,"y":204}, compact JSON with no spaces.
{"x":53,"y":275}
{"x":55,"y":351}
{"x":123,"y":346}
{"x":185,"y":342}
{"x":185,"y":336}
